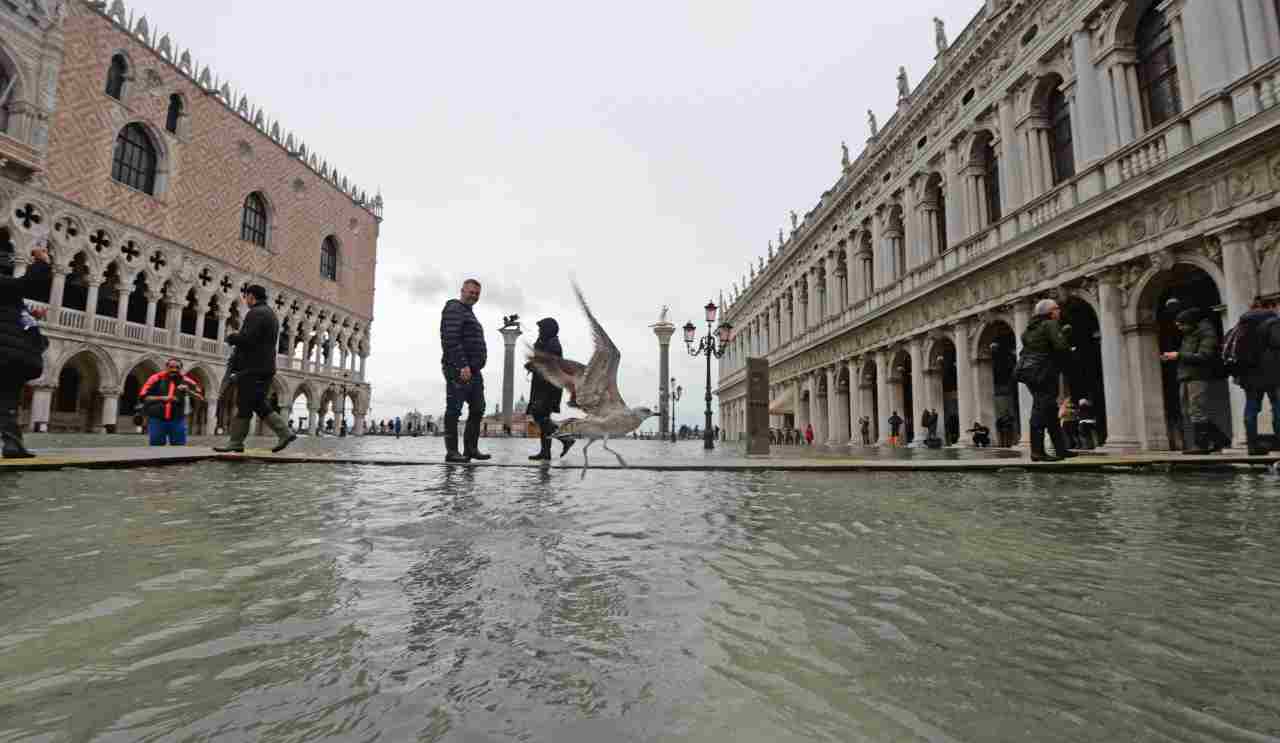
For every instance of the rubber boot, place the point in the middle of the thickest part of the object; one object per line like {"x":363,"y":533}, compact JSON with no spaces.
{"x":1059,"y":439}
{"x":284,"y":436}
{"x":1200,"y":432}
{"x":1038,"y":453}
{"x":1216,"y":439}
{"x":545,"y":453}
{"x":471,"y":439}
{"x":237,"y":432}
{"x":451,"y":442}
{"x":12,"y":434}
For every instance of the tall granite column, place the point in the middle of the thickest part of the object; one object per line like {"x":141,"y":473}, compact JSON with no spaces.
{"x":509,"y":336}
{"x":664,"y":330}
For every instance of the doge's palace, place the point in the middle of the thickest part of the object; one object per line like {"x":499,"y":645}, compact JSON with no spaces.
{"x":1110,"y":154}
{"x":161,"y":191}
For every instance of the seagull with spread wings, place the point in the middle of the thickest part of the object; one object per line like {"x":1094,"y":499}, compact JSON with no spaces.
{"x":593,"y":388}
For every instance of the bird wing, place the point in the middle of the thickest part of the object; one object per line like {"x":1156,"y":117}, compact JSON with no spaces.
{"x":598,"y":394}
{"x":563,"y":373}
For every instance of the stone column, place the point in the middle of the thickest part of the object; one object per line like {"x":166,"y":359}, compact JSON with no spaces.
{"x":313,"y":420}
{"x":363,"y":358}
{"x":802,"y":407}
{"x":954,"y":183}
{"x":60,"y":274}
{"x":110,"y":410}
{"x":818,"y":411}
{"x":122,"y":309}
{"x":1240,"y":274}
{"x":509,"y":337}
{"x":877,"y":241}
{"x":41,"y":405}
{"x":813,"y":318}
{"x":834,"y":436}
{"x":1022,"y":310}
{"x":202,"y":315}
{"x":919,"y":391}
{"x":663,"y":330}
{"x":153,"y":300}
{"x":883,"y":360}
{"x":1146,"y":385}
{"x":1013,"y":191}
{"x":1088,"y":108}
{"x":1115,"y":364}
{"x":211,"y":416}
{"x":91,"y":305}
{"x":964,"y":379}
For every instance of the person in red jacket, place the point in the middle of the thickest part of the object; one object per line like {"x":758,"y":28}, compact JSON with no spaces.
{"x":808,"y":434}
{"x":164,"y":398}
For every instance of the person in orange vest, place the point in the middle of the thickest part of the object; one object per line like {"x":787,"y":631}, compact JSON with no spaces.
{"x":164,"y":399}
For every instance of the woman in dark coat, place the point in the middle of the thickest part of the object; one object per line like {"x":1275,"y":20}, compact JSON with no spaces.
{"x":544,"y":397}
{"x":21,"y":348}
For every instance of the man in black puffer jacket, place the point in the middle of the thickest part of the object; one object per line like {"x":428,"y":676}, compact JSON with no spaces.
{"x":21,"y":347}
{"x":253,"y":365}
{"x":462,"y":361}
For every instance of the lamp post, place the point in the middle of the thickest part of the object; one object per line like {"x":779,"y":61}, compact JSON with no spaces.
{"x":676,"y":392}
{"x":714,"y":343}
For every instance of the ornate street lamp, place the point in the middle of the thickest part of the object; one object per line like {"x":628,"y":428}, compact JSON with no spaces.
{"x":676,"y":392}
{"x":712,"y":344}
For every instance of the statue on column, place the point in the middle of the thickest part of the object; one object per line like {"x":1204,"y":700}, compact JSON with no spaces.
{"x":940,"y":35}
{"x":871,"y":121}
{"x":795,"y":221}
{"x":762,"y":264}
{"x":770,"y":250}
{"x":844,"y":155}
{"x":904,"y":89}
{"x":662,"y":316}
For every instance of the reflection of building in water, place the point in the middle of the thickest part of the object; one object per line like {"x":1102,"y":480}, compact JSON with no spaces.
{"x":161,"y":194}
{"x":1111,"y":154}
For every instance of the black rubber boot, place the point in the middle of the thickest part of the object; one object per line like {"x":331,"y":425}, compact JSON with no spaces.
{"x":545,"y":452}
{"x":238,"y":431}
{"x":1038,"y":453}
{"x":1200,"y":432}
{"x":471,"y":439}
{"x":12,"y":434}
{"x":1216,"y":439}
{"x":451,"y":442}
{"x":1059,"y":440}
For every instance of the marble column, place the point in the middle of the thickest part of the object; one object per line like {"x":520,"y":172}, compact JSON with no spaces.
{"x":512,"y":334}
{"x":813,"y":317}
{"x":91,"y":304}
{"x":1240,"y":273}
{"x":41,"y":406}
{"x":110,"y":410}
{"x":1013,"y":191}
{"x":1146,"y":385}
{"x":211,"y":416}
{"x":855,"y":402}
{"x":122,"y":309}
{"x":954,"y":183}
{"x":153,"y":300}
{"x":818,"y":410}
{"x":59,"y":286}
{"x":883,"y":395}
{"x":802,"y":406}
{"x":964,"y":379}
{"x":835,"y":435}
{"x":919,"y":387}
{"x":1088,"y":102}
{"x":1115,"y":363}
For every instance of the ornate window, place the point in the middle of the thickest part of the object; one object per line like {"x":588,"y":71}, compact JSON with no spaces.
{"x":991,"y":182}
{"x":329,"y":259}
{"x":175,"y":114}
{"x":1157,"y":68}
{"x":1064,"y":158}
{"x":134,"y":162}
{"x":116,"y":76}
{"x":253,"y":222}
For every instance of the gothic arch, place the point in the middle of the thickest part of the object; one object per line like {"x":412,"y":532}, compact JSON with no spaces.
{"x":108,"y":373}
{"x":1121,"y":26}
{"x":979,"y":339}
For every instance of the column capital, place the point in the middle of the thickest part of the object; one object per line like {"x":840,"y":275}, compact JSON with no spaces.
{"x":1232,"y":233}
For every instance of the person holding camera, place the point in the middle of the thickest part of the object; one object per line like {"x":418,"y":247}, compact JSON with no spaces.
{"x":21,"y":346}
{"x":164,"y":399}
{"x":1045,"y":354}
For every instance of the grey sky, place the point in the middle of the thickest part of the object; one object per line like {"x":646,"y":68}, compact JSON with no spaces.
{"x":649,"y":149}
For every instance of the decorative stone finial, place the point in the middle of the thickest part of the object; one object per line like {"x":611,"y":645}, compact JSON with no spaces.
{"x":206,"y":79}
{"x":871,"y":122}
{"x":844,"y":155}
{"x":117,"y":11}
{"x":904,"y":88}
{"x":770,"y":250}
{"x":166,"y":47}
{"x":184,"y":64}
{"x":795,"y":221}
{"x":141,"y":30}
{"x":940,"y":35}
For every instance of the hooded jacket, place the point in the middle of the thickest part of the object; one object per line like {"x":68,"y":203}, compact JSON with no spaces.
{"x":544,"y":397}
{"x":1265,"y":331}
{"x":461,"y":338}
{"x":21,"y":350}
{"x":1199,"y":356}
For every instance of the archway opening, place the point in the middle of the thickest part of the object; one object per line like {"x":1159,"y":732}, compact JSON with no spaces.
{"x":946,"y":401}
{"x":902,"y":396}
{"x":212,"y":311}
{"x":190,"y":313}
{"x":1084,"y":382}
{"x":109,"y":292}
{"x":137,"y":309}
{"x":870,"y":407}
{"x":75,"y":294}
{"x":77,"y":402}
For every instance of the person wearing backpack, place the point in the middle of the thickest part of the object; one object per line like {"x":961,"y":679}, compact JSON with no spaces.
{"x":1199,"y":363}
{"x":1251,"y":353}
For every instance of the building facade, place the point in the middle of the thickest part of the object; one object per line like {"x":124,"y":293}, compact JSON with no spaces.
{"x":161,"y":192}
{"x":1110,"y":154}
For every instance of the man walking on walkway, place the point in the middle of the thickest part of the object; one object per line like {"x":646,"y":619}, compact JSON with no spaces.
{"x":1253,"y":351}
{"x":465,"y":353}
{"x":252,"y":367}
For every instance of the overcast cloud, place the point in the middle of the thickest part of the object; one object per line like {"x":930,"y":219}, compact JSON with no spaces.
{"x":651,"y":150}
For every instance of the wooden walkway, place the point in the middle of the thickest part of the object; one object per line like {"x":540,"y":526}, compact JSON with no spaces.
{"x":140,"y":456}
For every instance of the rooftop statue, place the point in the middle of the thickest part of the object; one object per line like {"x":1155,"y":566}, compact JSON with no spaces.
{"x":940,"y":34}
{"x":871,"y":121}
{"x":844,"y":155}
{"x":904,"y":90}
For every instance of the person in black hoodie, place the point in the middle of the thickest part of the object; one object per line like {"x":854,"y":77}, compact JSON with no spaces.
{"x":252,"y":367}
{"x":21,"y":348}
{"x":462,"y":361}
{"x":544,"y":397}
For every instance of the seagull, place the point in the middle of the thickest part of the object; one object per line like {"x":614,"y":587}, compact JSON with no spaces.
{"x":593,"y":388}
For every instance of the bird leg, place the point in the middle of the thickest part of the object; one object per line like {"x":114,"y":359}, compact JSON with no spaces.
{"x":621,"y":461}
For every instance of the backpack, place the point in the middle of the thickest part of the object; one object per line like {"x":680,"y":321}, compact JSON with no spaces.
{"x":1243,"y":347}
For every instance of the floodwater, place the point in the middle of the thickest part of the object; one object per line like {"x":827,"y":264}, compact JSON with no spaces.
{"x":252,"y":602}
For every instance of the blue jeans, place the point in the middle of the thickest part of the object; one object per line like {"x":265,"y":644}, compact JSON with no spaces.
{"x":1253,"y":406}
{"x":167,"y":432}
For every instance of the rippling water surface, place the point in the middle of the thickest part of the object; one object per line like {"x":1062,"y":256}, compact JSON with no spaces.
{"x":255,"y":602}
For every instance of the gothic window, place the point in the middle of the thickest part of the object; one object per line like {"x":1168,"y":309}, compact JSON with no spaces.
{"x":1064,"y":159}
{"x":134,"y":162}
{"x":116,"y":75}
{"x":253,"y":222}
{"x":329,"y":259}
{"x":174,"y":115}
{"x":1157,"y":68}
